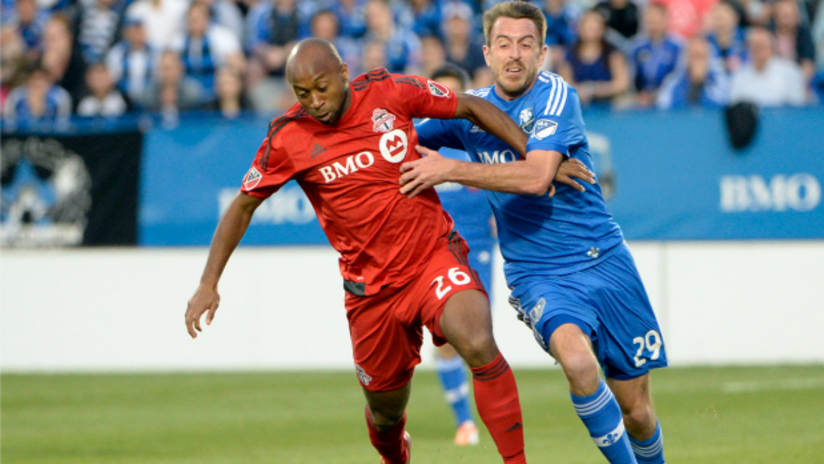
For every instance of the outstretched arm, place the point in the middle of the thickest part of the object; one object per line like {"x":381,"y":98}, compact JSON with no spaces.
{"x":229,"y":231}
{"x":492,"y":120}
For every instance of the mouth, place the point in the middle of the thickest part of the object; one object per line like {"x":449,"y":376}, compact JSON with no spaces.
{"x":513,"y":70}
{"x":325,"y":117}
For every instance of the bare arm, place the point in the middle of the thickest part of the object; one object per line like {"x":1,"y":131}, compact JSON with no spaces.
{"x":531,"y":176}
{"x":492,"y":120}
{"x":229,"y":231}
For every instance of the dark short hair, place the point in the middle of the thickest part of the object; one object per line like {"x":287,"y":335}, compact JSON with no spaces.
{"x":516,"y":10}
{"x":451,"y":70}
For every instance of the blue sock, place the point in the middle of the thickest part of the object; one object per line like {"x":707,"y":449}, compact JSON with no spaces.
{"x":649,"y":451}
{"x":452,"y":373}
{"x":602,"y":417}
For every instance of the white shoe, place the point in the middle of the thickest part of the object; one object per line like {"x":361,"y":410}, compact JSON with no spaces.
{"x":467,"y":434}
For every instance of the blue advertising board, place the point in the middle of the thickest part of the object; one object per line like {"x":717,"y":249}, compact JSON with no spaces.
{"x":674,"y":177}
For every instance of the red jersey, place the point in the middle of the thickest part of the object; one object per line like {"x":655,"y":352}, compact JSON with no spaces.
{"x":350,"y":172}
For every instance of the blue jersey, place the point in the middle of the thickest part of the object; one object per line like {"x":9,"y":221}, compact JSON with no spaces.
{"x":472,"y":215}
{"x":538,"y":235}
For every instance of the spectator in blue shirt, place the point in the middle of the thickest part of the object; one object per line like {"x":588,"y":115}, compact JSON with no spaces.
{"x":31,"y":21}
{"x":655,"y":55}
{"x":352,"y":17}
{"x":594,"y":67}
{"x":39,"y":100}
{"x":463,"y":47}
{"x":325,"y":25}
{"x":703,"y":82}
{"x":426,"y":17}
{"x":402,"y":46}
{"x":131,"y":61}
{"x":273,"y":27}
{"x":726,"y":38}
{"x":561,"y":28}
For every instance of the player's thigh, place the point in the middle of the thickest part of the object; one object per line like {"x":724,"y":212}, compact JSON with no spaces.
{"x":449,"y":284}
{"x":385,"y":348}
{"x":629,"y":329}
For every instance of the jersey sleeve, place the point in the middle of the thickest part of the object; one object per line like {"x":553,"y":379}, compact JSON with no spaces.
{"x":271,"y":169}
{"x":424,"y":98}
{"x":439,"y":133}
{"x":558,"y":121}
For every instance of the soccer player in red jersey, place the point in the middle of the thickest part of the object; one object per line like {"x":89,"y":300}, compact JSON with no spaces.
{"x":403,"y":265}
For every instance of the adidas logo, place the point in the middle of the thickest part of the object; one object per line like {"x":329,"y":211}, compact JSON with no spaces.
{"x":318,"y":150}
{"x":514,"y":427}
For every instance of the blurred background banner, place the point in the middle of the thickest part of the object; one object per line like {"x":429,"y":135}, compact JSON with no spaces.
{"x":192,"y":173}
{"x":67,"y":190}
{"x":661,"y":185}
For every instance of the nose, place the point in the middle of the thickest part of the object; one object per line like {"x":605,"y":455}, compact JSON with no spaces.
{"x":316,"y":101}
{"x":515,"y":52}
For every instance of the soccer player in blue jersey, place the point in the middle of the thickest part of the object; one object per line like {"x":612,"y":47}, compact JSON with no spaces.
{"x":573,"y":279}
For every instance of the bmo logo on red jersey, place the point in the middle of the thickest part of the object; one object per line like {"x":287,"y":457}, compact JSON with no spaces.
{"x":393,"y":147}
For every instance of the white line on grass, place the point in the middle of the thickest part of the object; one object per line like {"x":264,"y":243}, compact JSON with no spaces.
{"x":788,"y":384}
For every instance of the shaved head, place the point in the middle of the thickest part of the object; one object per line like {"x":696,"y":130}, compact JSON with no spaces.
{"x":320,"y":79}
{"x":312,"y":56}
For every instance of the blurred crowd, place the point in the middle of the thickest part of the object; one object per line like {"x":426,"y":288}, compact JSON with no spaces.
{"x":106,"y":58}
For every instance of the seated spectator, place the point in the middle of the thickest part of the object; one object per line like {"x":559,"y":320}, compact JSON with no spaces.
{"x":561,"y":30}
{"x":98,"y":27}
{"x":61,"y":59}
{"x":352,"y":17}
{"x":325,"y":25}
{"x":206,"y":47}
{"x":654,"y":56}
{"x":104,"y":99}
{"x":622,"y":16}
{"x":13,"y":61}
{"x":686,"y":18}
{"x":273,"y":27}
{"x":374,"y":56}
{"x":703,"y":83}
{"x":433,"y":55}
{"x":172,"y":91}
{"x":726,"y":38}
{"x":792,"y":40}
{"x":227,"y":14}
{"x":767,"y":80}
{"x":163,"y":19}
{"x":39,"y":100}
{"x":231,"y":100}
{"x":464,"y":48}
{"x":131,"y":61}
{"x":593,"y":66}
{"x":402,"y":47}
{"x":426,"y":18}
{"x":30,"y":21}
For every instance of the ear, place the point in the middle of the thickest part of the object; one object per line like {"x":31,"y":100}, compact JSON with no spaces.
{"x":544,"y":50}
{"x":486,"y":55}
{"x":344,"y":72}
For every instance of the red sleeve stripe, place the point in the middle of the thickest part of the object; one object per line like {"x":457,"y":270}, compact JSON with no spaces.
{"x":274,"y":127}
{"x":410,"y":81}
{"x":376,"y":75}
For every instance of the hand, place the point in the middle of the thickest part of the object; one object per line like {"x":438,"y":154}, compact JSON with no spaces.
{"x":204,"y":300}
{"x":569,"y":169}
{"x":424,"y":173}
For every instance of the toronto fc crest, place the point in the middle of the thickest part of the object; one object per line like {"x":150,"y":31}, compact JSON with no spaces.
{"x":383,"y":121}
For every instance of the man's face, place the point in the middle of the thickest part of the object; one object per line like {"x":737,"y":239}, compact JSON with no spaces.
{"x":198,"y":21}
{"x":451,"y":83}
{"x":760,"y":44}
{"x":515,"y":52}
{"x":322,"y":94}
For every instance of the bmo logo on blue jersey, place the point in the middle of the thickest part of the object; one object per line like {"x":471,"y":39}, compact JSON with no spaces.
{"x":498,"y":156}
{"x":797,"y":192}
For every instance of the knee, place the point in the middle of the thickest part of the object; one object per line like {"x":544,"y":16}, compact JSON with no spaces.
{"x":479,"y":349}
{"x":581,"y":370}
{"x":639,"y":417}
{"x":384,"y":419}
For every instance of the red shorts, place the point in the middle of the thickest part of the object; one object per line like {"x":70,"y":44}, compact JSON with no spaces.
{"x":387,"y":328}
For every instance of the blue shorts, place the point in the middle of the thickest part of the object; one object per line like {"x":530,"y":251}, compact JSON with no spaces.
{"x":608,"y":302}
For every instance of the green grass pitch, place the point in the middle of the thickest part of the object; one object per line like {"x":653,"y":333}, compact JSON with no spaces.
{"x":710,"y":415}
